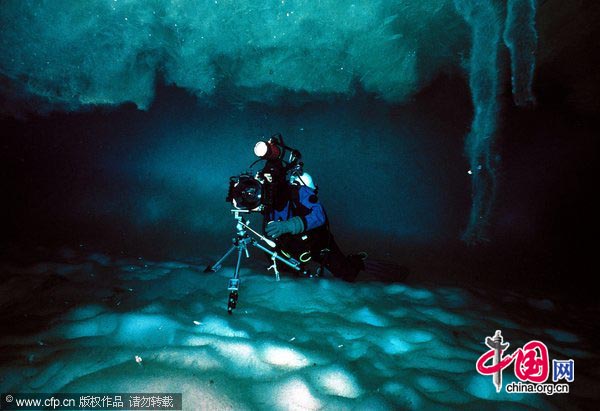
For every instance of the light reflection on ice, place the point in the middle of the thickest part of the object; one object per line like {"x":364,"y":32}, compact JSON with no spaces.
{"x":334,"y":346}
{"x":284,"y":357}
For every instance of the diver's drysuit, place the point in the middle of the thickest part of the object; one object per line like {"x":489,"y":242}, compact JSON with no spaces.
{"x":309,"y":237}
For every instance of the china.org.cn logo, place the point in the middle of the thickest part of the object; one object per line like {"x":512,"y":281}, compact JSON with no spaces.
{"x":531,"y":367}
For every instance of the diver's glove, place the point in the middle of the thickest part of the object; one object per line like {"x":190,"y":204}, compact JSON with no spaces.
{"x":293,"y":226}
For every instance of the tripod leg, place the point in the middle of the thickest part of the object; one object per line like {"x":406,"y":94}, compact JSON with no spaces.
{"x":234,"y":283}
{"x":290,"y":262}
{"x":241,"y":249}
{"x":216,"y":266}
{"x":232,"y":302}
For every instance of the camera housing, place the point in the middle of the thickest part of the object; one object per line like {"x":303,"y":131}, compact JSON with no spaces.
{"x":246,"y":192}
{"x":255,"y":192}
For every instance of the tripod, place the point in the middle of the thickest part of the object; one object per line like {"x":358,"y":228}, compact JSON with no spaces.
{"x":240,"y":243}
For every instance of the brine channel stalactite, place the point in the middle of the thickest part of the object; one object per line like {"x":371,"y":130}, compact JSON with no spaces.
{"x":485,"y":19}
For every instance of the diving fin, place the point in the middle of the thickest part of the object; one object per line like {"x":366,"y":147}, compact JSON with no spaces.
{"x":384,"y":271}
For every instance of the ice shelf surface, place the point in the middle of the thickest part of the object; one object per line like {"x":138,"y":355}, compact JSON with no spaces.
{"x":96,"y":324}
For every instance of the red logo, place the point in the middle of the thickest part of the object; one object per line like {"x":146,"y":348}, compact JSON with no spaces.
{"x":531,"y":362}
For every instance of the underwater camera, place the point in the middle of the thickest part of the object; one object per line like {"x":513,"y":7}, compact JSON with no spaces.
{"x":255,"y":192}
{"x":246,"y":192}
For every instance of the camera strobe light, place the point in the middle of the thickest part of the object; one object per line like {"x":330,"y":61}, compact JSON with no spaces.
{"x":261,"y":148}
{"x":267,"y":150}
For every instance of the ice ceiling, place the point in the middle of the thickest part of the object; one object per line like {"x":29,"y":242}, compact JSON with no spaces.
{"x":69,"y":55}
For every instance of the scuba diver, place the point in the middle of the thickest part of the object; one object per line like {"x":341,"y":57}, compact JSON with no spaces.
{"x":298,"y":223}
{"x":293,"y":218}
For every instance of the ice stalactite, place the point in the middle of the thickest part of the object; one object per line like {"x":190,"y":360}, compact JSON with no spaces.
{"x":520,"y":36}
{"x":485,"y":19}
{"x":485,"y":22}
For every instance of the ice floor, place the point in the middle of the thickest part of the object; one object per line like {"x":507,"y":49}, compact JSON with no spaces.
{"x":303,"y":344}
